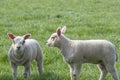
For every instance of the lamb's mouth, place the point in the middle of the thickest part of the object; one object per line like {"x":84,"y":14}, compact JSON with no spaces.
{"x":48,"y":44}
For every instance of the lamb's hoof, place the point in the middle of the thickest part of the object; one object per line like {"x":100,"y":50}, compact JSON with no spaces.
{"x":74,"y":77}
{"x":25,"y":76}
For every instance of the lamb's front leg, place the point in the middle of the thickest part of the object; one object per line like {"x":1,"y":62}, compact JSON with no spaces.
{"x":26,"y":71}
{"x":14,"y":71}
{"x":71,"y":71}
{"x":103,"y":71}
{"x":75,"y":70}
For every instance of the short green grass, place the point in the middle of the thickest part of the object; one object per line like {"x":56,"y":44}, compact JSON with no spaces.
{"x":85,"y":19}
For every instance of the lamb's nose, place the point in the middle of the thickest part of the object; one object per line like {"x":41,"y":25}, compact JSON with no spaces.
{"x":46,"y":42}
{"x":18,"y":47}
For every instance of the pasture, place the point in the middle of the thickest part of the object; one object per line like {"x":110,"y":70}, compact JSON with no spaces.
{"x":85,"y":19}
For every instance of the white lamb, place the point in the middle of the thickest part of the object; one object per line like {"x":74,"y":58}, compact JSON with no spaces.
{"x":77,"y":52}
{"x":22,"y":52}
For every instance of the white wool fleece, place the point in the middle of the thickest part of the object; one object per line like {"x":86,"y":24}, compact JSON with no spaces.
{"x":22,"y":52}
{"x":77,"y":52}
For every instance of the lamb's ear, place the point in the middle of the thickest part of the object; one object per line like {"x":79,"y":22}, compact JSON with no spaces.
{"x":10,"y":35}
{"x":58,"y":31}
{"x":26,"y":36}
{"x":63,"y":30}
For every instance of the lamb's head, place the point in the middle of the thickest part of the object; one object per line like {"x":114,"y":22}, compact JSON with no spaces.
{"x":18,"y":42}
{"x":54,"y":39}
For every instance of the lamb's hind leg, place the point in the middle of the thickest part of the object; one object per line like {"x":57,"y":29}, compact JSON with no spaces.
{"x":103,"y":71}
{"x":111,"y":68}
{"x":39,"y":61}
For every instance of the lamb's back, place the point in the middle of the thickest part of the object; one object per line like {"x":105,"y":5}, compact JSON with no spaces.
{"x":33,"y":46}
{"x":94,"y":49}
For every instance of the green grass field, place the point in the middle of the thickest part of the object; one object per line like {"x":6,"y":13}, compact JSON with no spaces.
{"x":85,"y":19}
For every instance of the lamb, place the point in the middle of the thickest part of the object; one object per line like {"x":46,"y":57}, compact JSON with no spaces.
{"x":22,"y":52}
{"x":77,"y":52}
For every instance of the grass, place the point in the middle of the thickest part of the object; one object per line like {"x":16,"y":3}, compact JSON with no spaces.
{"x":85,"y":19}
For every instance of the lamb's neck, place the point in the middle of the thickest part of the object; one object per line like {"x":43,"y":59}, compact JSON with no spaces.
{"x":18,"y":54}
{"x":64,"y":45}
{"x":19,"y":58}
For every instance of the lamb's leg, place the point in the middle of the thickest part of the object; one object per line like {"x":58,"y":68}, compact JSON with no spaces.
{"x":75,"y":71}
{"x":111,"y":68}
{"x":14,"y":71}
{"x":26,"y":71}
{"x":71,"y":71}
{"x":39,"y":61}
{"x":103,"y":71}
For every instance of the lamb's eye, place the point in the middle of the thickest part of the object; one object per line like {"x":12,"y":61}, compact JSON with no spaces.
{"x":52,"y":38}
{"x":23,"y":42}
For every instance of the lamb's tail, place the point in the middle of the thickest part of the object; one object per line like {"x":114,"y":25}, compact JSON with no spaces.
{"x":116,"y":57}
{"x":116,"y":54}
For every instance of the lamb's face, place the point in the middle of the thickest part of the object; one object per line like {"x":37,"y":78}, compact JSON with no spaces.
{"x":18,"y":42}
{"x":53,"y":40}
